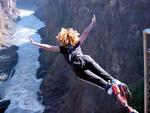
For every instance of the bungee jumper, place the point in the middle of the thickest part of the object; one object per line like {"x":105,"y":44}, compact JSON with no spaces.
{"x":85,"y":66}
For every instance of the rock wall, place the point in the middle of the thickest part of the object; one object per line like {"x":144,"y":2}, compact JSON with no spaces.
{"x":8,"y":16}
{"x":8,"y":52}
{"x":8,"y":59}
{"x":30,"y":2}
{"x":115,"y":43}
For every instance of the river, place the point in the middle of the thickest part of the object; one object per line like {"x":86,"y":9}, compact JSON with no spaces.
{"x":23,"y":86}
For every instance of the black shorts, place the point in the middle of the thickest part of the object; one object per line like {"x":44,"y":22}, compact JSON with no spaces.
{"x":87,"y":69}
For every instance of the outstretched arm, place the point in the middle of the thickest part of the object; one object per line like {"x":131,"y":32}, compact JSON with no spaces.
{"x":87,"y":30}
{"x":45,"y":46}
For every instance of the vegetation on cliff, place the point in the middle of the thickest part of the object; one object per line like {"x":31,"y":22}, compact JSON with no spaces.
{"x":138,"y":95}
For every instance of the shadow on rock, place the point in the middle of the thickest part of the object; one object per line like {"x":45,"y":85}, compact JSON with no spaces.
{"x":4,"y":105}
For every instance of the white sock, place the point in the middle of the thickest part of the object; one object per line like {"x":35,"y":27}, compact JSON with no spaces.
{"x":117,"y":82}
{"x":109,"y":91}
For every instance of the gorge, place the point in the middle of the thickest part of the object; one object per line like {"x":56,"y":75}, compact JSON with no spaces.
{"x":115,"y":43}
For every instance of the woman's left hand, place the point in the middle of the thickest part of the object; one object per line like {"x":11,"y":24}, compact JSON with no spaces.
{"x":94,"y":19}
{"x":31,"y":40}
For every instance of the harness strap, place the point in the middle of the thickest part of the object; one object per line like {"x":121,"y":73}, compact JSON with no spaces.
{"x":71,"y":49}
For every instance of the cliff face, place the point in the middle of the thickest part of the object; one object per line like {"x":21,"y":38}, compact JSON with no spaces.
{"x":8,"y":59}
{"x":115,"y":43}
{"x":29,"y":2}
{"x":8,"y":54}
{"x":8,"y":16}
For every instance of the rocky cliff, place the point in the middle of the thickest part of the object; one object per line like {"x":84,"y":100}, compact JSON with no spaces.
{"x":8,"y":52}
{"x":8,"y":16}
{"x":8,"y":59}
{"x":115,"y":43}
{"x":27,"y":3}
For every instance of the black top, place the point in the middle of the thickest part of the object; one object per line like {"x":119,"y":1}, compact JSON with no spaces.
{"x":71,"y":51}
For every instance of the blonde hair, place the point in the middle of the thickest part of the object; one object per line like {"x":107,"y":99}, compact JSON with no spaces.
{"x":68,"y":36}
